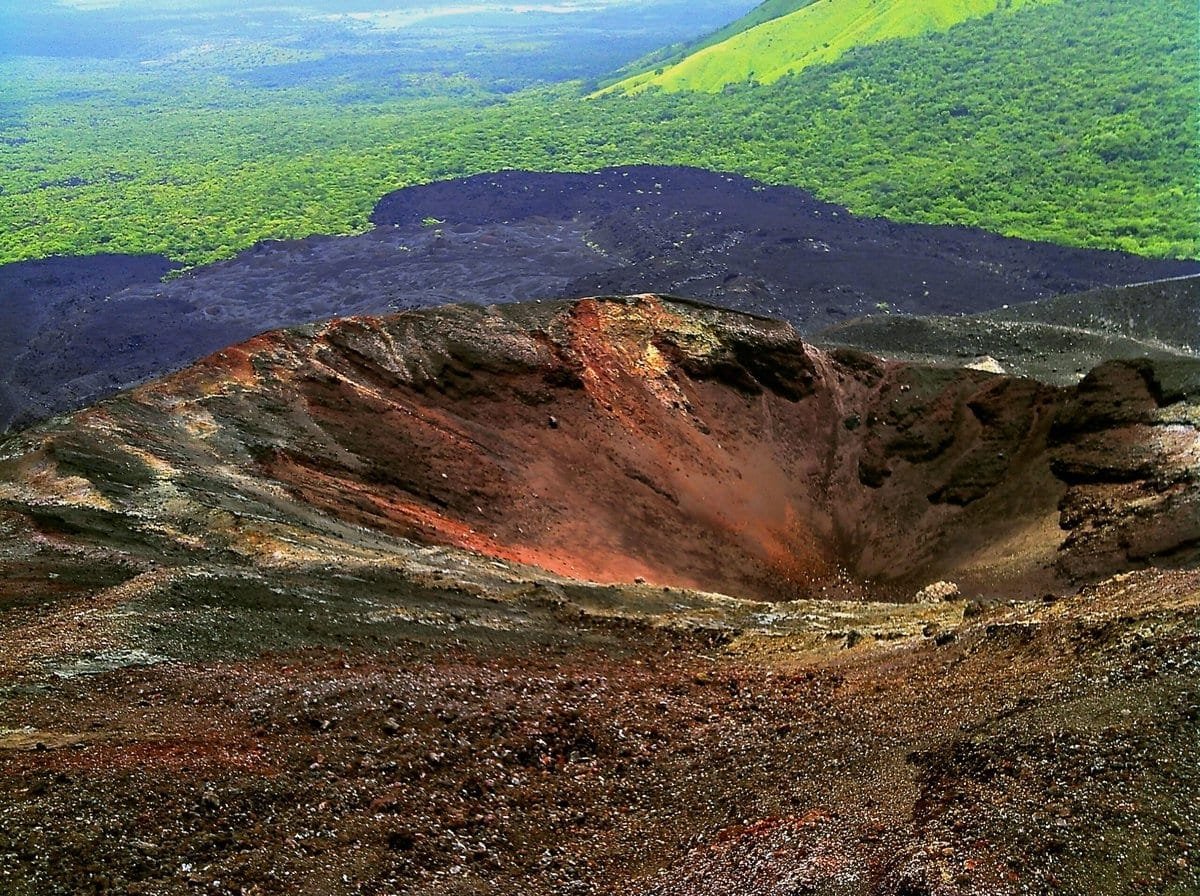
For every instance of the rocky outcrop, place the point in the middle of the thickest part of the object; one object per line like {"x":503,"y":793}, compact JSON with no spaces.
{"x":1055,"y":340}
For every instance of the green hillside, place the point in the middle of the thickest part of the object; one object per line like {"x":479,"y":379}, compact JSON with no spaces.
{"x":667,"y":56}
{"x":765,"y":45}
{"x":764,"y":12}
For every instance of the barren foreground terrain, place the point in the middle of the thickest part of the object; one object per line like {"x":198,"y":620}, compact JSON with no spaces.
{"x":626,"y":596}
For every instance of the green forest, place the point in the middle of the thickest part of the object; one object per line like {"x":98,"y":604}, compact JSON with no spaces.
{"x":1047,"y":123}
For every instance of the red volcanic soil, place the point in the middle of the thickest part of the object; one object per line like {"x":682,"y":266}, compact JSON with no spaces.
{"x":584,"y":455}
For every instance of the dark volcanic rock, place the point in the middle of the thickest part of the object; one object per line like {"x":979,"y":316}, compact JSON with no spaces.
{"x":37,"y":300}
{"x":517,"y":235}
{"x":1055,"y":340}
{"x":768,"y":249}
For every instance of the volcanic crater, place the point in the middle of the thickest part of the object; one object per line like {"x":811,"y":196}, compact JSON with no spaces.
{"x":652,"y":439}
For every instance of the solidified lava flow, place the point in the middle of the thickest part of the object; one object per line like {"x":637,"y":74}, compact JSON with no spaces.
{"x":75,"y":330}
{"x":623,"y":595}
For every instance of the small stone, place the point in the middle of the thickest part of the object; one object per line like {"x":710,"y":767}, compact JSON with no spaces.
{"x":986,"y":364}
{"x":937,"y":591}
{"x":401,"y":840}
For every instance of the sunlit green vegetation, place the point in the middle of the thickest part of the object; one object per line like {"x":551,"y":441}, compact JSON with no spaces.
{"x":1073,"y":121}
{"x":766,"y":11}
{"x":809,"y":35}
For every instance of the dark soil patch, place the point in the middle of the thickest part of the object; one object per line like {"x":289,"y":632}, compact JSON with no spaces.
{"x":1055,"y":340}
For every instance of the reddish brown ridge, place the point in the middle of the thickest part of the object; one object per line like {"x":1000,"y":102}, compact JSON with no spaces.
{"x":612,"y":439}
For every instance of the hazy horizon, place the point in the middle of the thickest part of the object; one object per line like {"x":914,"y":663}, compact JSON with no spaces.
{"x":144,"y":29}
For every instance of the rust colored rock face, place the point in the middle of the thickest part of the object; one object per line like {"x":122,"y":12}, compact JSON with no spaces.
{"x":616,"y":439}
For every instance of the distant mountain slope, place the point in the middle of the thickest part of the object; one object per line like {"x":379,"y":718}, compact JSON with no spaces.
{"x":974,"y":126}
{"x":765,"y":45}
{"x":764,"y":12}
